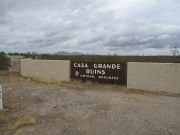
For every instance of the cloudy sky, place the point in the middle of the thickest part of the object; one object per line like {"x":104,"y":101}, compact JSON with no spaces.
{"x":147,"y":27}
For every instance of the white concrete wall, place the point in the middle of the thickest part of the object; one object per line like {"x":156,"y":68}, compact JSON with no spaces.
{"x":52,"y":70}
{"x":15,"y":64}
{"x":154,"y":76}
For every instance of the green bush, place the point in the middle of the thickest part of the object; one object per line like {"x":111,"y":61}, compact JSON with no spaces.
{"x":4,"y":61}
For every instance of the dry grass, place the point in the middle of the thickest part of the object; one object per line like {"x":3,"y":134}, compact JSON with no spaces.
{"x":80,"y":85}
{"x":4,"y":73}
{"x":22,"y":122}
{"x":2,"y":118}
{"x":13,"y":125}
{"x":10,"y":117}
{"x":88,"y":85}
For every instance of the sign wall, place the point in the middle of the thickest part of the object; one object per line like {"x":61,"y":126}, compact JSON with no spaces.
{"x":100,"y":71}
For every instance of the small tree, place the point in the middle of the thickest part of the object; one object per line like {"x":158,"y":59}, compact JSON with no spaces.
{"x":174,"y":51}
{"x":4,"y":61}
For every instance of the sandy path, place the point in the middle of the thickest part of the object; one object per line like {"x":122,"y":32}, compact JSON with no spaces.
{"x":62,"y":111}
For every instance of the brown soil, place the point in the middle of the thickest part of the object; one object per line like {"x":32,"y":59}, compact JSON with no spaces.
{"x":85,"y":109}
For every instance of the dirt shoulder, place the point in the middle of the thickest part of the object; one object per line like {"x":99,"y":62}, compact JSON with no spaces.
{"x":76,"y":108}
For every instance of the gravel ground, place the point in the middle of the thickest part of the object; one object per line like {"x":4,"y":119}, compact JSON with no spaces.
{"x":67,"y":111}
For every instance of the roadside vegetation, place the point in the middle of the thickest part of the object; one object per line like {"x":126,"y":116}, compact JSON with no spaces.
{"x":22,"y":122}
{"x":107,"y":58}
{"x":4,"y":61}
{"x":11,"y":118}
{"x":102,"y":58}
{"x":1,"y":117}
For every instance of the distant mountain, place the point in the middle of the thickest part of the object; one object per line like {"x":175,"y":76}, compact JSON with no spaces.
{"x":68,"y":53}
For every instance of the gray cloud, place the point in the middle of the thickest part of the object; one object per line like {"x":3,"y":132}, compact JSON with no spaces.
{"x":96,"y":26}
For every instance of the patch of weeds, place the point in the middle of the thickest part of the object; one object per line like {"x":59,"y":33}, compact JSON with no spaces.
{"x":9,"y":106}
{"x":3,"y":73}
{"x":23,"y":122}
{"x":2,"y":118}
{"x":9,"y":102}
{"x":11,"y":126}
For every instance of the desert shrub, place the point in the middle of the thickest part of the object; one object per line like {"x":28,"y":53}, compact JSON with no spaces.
{"x":106,"y":58}
{"x":4,"y":61}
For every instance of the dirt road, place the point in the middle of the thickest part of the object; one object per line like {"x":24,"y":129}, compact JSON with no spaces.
{"x":66,"y":111}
